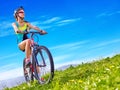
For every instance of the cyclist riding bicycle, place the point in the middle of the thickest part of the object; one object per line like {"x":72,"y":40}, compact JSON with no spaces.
{"x":20,"y":26}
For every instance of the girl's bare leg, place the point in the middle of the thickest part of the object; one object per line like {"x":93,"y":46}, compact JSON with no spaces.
{"x":25,"y":45}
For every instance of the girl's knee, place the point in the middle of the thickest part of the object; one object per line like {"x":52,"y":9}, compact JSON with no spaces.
{"x":28,"y":41}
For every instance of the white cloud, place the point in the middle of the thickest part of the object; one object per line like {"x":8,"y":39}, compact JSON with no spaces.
{"x":67,"y":21}
{"x":107,"y":14}
{"x":6,"y":28}
{"x":8,"y":67}
{"x":70,"y":45}
{"x":9,"y":56}
{"x":118,"y":11}
{"x":11,"y":73}
{"x":5,"y":24}
{"x":38,"y":24}
{"x":105,"y":43}
{"x":101,"y":14}
{"x":61,"y":58}
{"x":54,"y":21}
{"x":49,"y":21}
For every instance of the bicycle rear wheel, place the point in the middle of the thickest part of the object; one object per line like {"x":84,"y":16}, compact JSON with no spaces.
{"x":44,"y":69}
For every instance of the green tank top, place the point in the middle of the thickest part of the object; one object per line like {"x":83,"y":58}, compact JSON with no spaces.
{"x":20,"y":36}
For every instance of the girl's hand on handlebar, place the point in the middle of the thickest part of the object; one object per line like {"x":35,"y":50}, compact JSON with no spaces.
{"x":19,"y":31}
{"x":43,"y":32}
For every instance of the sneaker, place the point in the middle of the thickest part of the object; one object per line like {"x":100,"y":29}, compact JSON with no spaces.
{"x":27,"y":62}
{"x":25,"y":71}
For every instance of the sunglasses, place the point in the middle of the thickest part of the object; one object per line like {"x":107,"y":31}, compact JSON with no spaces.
{"x":20,"y":12}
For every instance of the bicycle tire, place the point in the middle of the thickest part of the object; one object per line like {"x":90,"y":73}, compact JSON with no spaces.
{"x":47,"y":76}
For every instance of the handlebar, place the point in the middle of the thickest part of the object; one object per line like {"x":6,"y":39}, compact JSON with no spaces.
{"x":34,"y":32}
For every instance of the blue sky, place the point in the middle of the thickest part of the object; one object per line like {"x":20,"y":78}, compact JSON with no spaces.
{"x":78,"y":31}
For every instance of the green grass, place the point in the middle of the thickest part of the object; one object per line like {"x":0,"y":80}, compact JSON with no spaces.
{"x":103,"y":74}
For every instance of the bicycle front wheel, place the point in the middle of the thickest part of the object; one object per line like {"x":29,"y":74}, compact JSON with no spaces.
{"x":44,"y":65}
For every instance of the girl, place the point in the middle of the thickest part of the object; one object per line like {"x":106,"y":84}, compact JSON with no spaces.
{"x":20,"y":26}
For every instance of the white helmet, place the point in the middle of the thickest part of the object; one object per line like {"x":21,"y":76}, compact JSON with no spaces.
{"x":16,"y":11}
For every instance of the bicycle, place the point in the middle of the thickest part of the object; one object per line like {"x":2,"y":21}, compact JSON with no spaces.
{"x":42,"y":65}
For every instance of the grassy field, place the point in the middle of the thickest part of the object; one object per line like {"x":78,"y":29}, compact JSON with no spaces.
{"x":103,"y":74}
